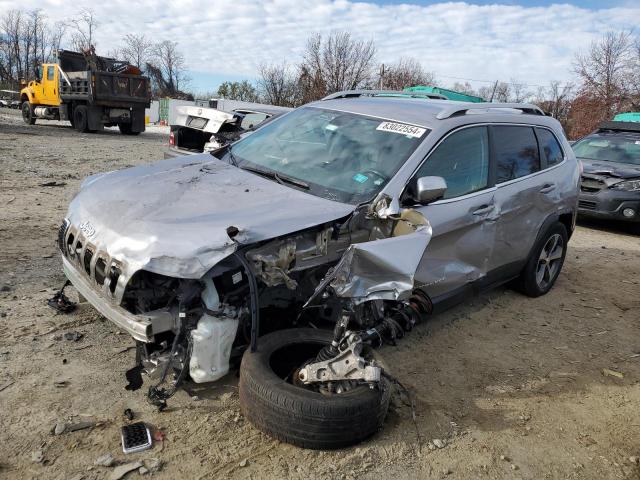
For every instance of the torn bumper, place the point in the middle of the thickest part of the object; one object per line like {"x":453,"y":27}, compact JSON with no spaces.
{"x":140,"y":327}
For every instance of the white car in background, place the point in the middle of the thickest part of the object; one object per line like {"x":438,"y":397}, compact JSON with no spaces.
{"x":201,"y":129}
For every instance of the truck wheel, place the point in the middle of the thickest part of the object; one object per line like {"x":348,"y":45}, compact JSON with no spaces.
{"x":125,"y":129}
{"x":80,"y":119}
{"x":27,"y":114}
{"x":300,"y":415}
{"x":546,"y":260}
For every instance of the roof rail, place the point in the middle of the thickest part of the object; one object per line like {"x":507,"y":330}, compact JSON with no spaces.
{"x":456,"y":110}
{"x":383,"y":93}
{"x":620,"y":126}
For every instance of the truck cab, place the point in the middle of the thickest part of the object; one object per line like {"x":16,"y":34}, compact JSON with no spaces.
{"x":43,"y":90}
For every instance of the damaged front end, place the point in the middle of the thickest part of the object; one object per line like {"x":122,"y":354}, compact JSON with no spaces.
{"x":195,"y":307}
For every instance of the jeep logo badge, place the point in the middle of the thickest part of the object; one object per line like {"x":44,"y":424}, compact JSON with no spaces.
{"x":87,"y":228}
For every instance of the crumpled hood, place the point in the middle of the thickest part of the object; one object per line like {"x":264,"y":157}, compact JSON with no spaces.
{"x":171,"y":217}
{"x":613,"y":169}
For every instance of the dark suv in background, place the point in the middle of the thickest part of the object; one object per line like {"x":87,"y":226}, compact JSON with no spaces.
{"x":610,"y":186}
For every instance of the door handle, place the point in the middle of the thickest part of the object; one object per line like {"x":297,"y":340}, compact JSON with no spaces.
{"x":481,"y":210}
{"x":548,"y":187}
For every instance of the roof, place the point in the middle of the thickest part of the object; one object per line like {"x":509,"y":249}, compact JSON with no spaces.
{"x":420,"y":111}
{"x":620,"y":126}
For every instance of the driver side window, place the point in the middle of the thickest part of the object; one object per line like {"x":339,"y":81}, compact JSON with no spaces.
{"x":462,"y":159}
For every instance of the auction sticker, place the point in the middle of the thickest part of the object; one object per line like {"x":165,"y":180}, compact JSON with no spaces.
{"x":402,"y":129}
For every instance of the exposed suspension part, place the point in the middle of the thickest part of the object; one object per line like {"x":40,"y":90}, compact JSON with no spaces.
{"x":340,"y":365}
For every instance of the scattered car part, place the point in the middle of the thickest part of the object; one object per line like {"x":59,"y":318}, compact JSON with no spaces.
{"x":61,"y":302}
{"x":135,"y":437}
{"x":297,"y":414}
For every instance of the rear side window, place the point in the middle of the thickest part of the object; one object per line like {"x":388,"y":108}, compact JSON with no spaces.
{"x":516,"y":152}
{"x":549,"y":146}
{"x":462,"y":159}
{"x":50,"y":73}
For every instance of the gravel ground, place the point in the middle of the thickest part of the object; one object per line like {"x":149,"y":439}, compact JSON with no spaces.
{"x":511,"y":387}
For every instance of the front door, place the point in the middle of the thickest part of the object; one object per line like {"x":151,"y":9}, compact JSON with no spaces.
{"x":464,"y":221}
{"x":50,"y":85}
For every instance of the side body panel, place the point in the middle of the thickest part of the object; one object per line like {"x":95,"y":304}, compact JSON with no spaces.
{"x":462,"y":241}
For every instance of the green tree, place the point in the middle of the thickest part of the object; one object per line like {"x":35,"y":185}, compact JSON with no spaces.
{"x":242,"y":91}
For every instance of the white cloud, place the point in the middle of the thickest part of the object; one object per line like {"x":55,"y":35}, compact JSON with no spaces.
{"x":531,"y":44}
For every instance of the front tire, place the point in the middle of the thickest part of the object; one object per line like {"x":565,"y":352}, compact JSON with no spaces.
{"x":298,"y":415}
{"x":545,"y":262}
{"x":27,"y":113}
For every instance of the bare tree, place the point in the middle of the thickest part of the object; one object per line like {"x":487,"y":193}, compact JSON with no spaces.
{"x":465,"y":88}
{"x":137,"y":50}
{"x":11,"y":26}
{"x":26,"y":41}
{"x":406,"y":72}
{"x":83,"y":27}
{"x":337,"y":62}
{"x":167,"y":70}
{"x":604,"y":69}
{"x":278,"y":85}
{"x":519,"y":92}
{"x":556,"y":99}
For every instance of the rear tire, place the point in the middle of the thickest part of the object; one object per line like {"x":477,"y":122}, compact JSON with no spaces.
{"x":545,"y":262}
{"x":27,"y":114}
{"x":80,"y":119}
{"x":301,"y":416}
{"x":125,"y":129}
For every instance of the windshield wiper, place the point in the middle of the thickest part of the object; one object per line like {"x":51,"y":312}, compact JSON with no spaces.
{"x":278,"y":177}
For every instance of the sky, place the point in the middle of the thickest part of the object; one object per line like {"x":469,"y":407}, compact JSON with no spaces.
{"x":531,"y":41}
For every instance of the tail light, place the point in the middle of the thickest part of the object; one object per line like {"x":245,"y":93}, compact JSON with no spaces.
{"x":172,"y":139}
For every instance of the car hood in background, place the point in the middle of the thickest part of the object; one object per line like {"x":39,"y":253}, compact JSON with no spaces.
{"x":171,"y":217}
{"x":611,"y":169}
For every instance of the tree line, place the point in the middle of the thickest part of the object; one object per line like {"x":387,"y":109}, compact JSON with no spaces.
{"x":28,"y":39}
{"x":607,"y":82}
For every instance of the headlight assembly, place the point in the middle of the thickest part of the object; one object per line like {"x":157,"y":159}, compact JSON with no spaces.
{"x":627,"y":185}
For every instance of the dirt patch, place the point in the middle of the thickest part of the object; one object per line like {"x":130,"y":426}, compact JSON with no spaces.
{"x":511,"y":387}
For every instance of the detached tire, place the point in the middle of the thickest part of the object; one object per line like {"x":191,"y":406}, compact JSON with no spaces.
{"x":297,"y":415}
{"x":545,"y":263}
{"x":27,"y":113}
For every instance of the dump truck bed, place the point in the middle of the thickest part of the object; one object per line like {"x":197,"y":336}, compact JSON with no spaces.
{"x":89,"y":79}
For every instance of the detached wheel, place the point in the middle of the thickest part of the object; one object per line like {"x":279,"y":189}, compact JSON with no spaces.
{"x":545,"y":262}
{"x":298,"y":414}
{"x":27,"y":114}
{"x":125,"y":129}
{"x":80,"y":119}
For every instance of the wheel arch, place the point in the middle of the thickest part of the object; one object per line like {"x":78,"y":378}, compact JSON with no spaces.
{"x":565,"y":217}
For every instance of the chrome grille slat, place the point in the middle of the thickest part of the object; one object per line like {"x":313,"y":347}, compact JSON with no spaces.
{"x":78,"y":259}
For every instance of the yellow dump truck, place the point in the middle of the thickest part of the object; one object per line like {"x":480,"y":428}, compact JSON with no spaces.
{"x":90,"y":91}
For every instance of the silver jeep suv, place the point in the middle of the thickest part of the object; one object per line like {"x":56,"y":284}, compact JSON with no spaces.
{"x":362,"y":213}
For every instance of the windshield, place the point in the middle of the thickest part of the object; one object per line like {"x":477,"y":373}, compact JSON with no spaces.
{"x":340,"y":156}
{"x":622,"y":148}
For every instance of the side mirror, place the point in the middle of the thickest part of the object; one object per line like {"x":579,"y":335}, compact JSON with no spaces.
{"x":428,"y":189}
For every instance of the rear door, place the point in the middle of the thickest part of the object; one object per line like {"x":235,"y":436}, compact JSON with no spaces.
{"x":525,"y":193}
{"x":464,"y":221}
